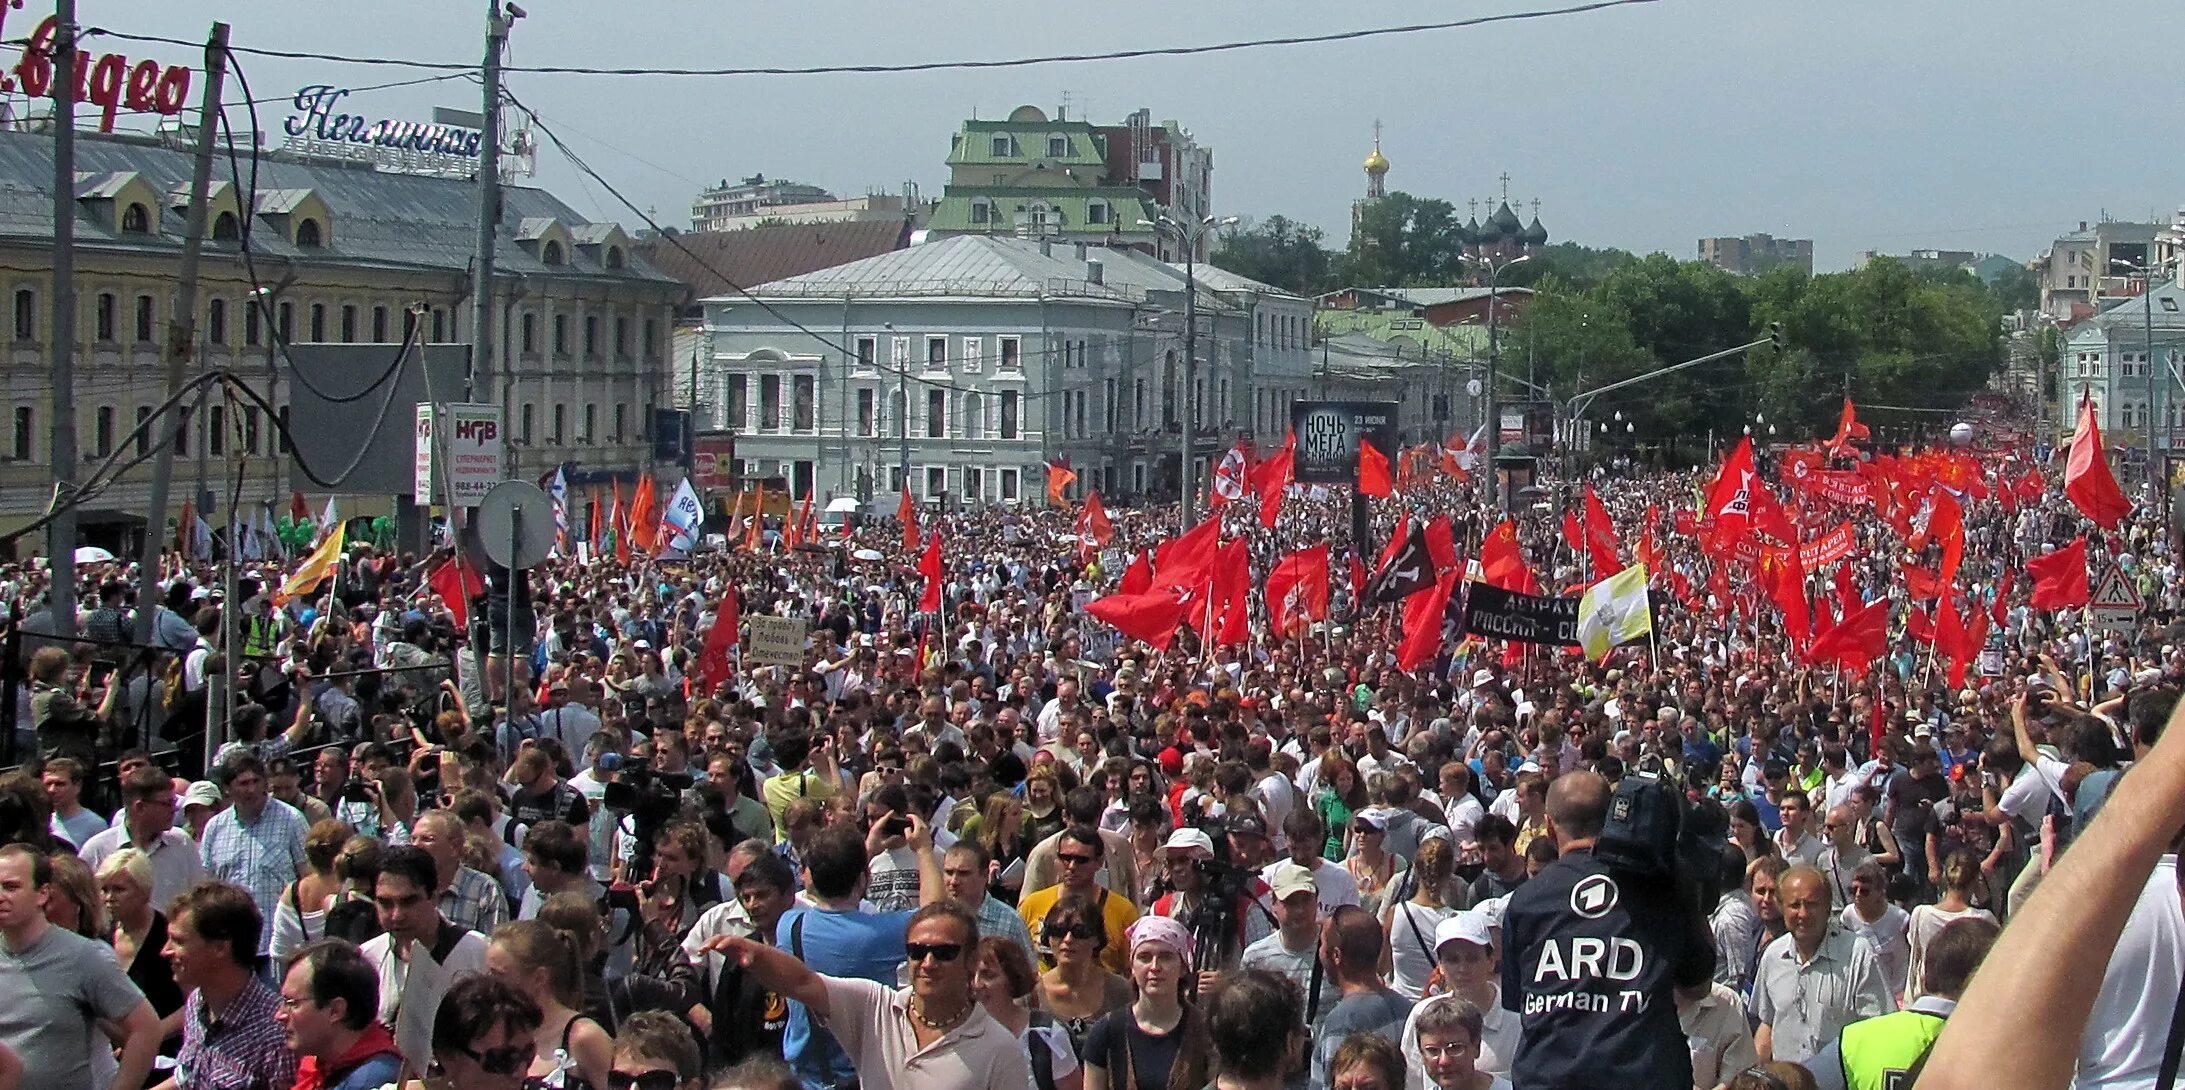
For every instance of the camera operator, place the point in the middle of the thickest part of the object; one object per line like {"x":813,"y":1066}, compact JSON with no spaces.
{"x":1223,"y":906}
{"x":1592,"y":960}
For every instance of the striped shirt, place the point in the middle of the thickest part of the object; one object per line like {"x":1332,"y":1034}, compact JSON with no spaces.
{"x":240,"y":1048}
{"x":261,"y":856}
{"x":474,"y":901}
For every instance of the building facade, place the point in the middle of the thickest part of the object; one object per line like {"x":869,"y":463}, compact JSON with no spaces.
{"x":727,"y":204}
{"x":1031,"y":176}
{"x":2107,"y":359}
{"x":342,"y":253}
{"x":1753,"y":254}
{"x":972,"y":361}
{"x":2086,"y":269}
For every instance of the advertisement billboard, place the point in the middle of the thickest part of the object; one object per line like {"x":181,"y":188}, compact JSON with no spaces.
{"x":458,"y":454}
{"x":1328,"y":433}
{"x":713,"y":461}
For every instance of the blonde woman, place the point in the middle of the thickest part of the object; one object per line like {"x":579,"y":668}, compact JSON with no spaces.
{"x":139,"y":933}
{"x":573,"y":1053}
{"x":300,"y":915}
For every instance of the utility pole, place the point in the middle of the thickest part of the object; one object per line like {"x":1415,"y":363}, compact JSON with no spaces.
{"x":1494,"y":369}
{"x":902,"y":397}
{"x":61,"y":532}
{"x":1191,"y":380}
{"x":489,"y":205}
{"x":182,"y":331}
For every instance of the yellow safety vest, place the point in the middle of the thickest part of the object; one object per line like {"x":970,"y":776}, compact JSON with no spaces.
{"x":1878,"y":1052}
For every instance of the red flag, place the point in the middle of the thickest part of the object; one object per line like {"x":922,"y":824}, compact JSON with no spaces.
{"x":2087,"y":479}
{"x":1601,"y":538}
{"x":1271,"y":477}
{"x":1919,"y":583}
{"x":1500,"y":563}
{"x":1441,"y":542}
{"x":1297,"y":589}
{"x":1093,"y":524}
{"x":1787,"y":585}
{"x":714,"y":665}
{"x":593,"y":537}
{"x":1918,"y":625}
{"x":1730,"y":497}
{"x":755,"y":529}
{"x":1151,"y":617}
{"x":2029,"y":487}
{"x":2060,"y":578}
{"x":906,"y":513}
{"x":620,"y":525}
{"x":297,"y":510}
{"x":798,"y":531}
{"x":1573,"y":534}
{"x":1946,"y":525}
{"x":1232,"y":593}
{"x":1423,"y":624}
{"x":1950,"y":630}
{"x":1059,"y":478}
{"x":1856,"y":640}
{"x":1138,"y":576}
{"x":1373,"y":470}
{"x":644,"y":522}
{"x":1976,"y":635}
{"x":1847,"y":427}
{"x":2002,"y":594}
{"x":1847,"y":592}
{"x":1229,"y":476}
{"x":456,"y":582}
{"x":1395,"y":541}
{"x":929,"y":566}
{"x":1184,"y":560}
{"x":1650,"y":553}
{"x":1357,"y":581}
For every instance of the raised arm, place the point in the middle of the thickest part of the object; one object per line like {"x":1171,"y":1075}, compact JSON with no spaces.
{"x":779,"y":970}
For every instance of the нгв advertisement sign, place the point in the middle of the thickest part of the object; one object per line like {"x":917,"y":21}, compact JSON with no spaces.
{"x":1328,"y":433}
{"x":458,"y":453}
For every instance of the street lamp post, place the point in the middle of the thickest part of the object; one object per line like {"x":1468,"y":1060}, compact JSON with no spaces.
{"x":2157,"y":482}
{"x":1494,"y":366}
{"x":1189,"y":232}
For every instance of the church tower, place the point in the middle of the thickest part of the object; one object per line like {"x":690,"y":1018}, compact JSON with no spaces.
{"x":1376,"y":168}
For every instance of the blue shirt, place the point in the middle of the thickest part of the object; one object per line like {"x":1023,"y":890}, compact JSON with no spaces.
{"x":866,"y":945}
{"x":1771,"y":815}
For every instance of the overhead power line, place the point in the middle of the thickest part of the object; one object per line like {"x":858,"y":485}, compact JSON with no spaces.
{"x":923,"y":66}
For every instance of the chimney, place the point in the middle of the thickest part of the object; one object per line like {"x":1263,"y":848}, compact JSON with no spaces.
{"x":1096,"y":271}
{"x":2082,"y":225}
{"x":1081,"y":250}
{"x":1046,"y":247}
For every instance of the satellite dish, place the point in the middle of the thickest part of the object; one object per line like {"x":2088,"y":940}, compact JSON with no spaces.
{"x":1473,"y":387}
{"x":516,"y":524}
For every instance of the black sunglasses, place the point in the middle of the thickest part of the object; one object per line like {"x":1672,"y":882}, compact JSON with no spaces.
{"x":939,"y":951}
{"x":505,"y":1060}
{"x":1080,"y":930}
{"x":649,"y":1080}
{"x":1073,"y":860}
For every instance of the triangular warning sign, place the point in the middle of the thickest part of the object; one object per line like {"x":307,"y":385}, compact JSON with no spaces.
{"x":2114,"y":591}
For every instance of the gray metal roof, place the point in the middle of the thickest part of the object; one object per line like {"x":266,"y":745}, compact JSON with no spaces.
{"x":379,"y":218}
{"x":1433,"y":297}
{"x":988,"y":266}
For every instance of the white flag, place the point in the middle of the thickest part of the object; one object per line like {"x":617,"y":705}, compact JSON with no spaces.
{"x":328,"y":518}
{"x":683,"y":517}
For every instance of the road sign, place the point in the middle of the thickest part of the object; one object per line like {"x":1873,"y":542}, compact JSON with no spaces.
{"x":2115,"y":601}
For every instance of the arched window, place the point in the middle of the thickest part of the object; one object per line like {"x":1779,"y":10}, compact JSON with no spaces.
{"x":226,"y":228}
{"x":309,"y":235}
{"x":974,"y":408}
{"x":551,"y":253}
{"x":614,"y":257}
{"x":136,"y":219}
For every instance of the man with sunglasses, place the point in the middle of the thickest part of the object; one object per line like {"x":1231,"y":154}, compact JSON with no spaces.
{"x":932,"y":1035}
{"x":1079,"y":851}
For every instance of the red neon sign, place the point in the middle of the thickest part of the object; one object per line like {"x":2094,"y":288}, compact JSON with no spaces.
{"x":106,"y":80}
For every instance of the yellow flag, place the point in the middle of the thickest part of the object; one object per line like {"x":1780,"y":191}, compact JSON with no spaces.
{"x":1614,"y":611}
{"x":313,"y":570}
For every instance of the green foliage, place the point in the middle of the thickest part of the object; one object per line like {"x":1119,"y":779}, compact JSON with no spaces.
{"x":2016,"y":288}
{"x":1403,"y":241}
{"x":1278,"y":251}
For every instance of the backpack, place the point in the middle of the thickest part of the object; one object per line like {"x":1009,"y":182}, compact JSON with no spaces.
{"x":353,"y":918}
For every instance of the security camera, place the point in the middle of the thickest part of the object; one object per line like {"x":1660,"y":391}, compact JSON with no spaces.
{"x":515,"y":12}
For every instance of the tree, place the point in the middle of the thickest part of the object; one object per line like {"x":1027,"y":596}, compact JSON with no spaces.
{"x":2016,"y":289}
{"x":1403,"y":241}
{"x":1278,"y":251}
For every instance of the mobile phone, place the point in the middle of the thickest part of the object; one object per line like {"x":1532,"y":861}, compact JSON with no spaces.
{"x":100,"y":670}
{"x":895,"y":826}
{"x":429,"y":762}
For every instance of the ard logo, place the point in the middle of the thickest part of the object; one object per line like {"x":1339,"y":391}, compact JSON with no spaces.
{"x":1594,"y":896}
{"x":1619,"y":809}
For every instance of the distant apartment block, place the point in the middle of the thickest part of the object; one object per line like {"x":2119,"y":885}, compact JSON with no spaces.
{"x":1987,"y":267}
{"x":2099,"y":261}
{"x":1751,"y":254}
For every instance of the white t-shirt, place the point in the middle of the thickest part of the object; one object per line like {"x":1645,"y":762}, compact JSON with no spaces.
{"x":2027,"y":796}
{"x":1888,"y":936}
{"x":2123,"y":1042}
{"x":1333,"y":881}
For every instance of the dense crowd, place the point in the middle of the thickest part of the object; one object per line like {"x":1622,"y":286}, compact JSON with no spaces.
{"x":994,"y":844}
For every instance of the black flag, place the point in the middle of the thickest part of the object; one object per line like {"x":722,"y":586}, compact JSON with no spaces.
{"x":1408,"y":572}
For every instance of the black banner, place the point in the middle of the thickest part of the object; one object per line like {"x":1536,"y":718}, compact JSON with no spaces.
{"x":1328,"y":433}
{"x":1507,"y":615}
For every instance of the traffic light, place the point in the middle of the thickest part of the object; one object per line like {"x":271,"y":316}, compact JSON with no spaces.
{"x":1775,"y":335}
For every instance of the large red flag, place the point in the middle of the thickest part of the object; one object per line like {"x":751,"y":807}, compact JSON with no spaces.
{"x":1093,"y":524}
{"x":2059,"y":579}
{"x":1946,"y":526}
{"x":1138,"y":576}
{"x":456,"y":582}
{"x":929,"y":566}
{"x":1232,"y":594}
{"x":1730,"y":497}
{"x":1184,"y":560}
{"x":906,"y":512}
{"x":1271,"y":478}
{"x":1423,"y":624}
{"x":1919,"y":583}
{"x":796,"y":531}
{"x":1441,"y":542}
{"x":593,"y":537}
{"x":714,"y":665}
{"x":1847,"y":427}
{"x":1601,"y":538}
{"x":1150,"y":617}
{"x":1357,"y":581}
{"x":1787,"y":585}
{"x":644,"y":521}
{"x":1857,"y":639}
{"x":1574,"y":535}
{"x":2087,"y":479}
{"x":1396,"y":541}
{"x":1373,"y":471}
{"x":2002,"y":594}
{"x":1297,"y":589}
{"x":755,"y":528}
{"x":1500,"y":563}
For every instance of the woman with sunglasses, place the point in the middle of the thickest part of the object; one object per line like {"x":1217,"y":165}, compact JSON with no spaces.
{"x":1369,"y":865}
{"x":482,"y":1036}
{"x":1077,"y":991}
{"x":1153,"y":1042}
{"x":655,"y":1052}
{"x":573,"y":1053}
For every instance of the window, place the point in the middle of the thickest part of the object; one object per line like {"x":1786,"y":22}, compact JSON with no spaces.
{"x":225,"y":228}
{"x":561,"y":334}
{"x":318,"y":322}
{"x":936,"y":353}
{"x":1009,"y":428}
{"x":974,"y":408}
{"x":622,"y":337}
{"x":253,"y":335}
{"x":439,"y":326}
{"x":1079,"y":414}
{"x":182,"y":432}
{"x":136,"y":220}
{"x":24,"y":418}
{"x":144,"y":430}
{"x":524,"y":423}
{"x":560,"y":422}
{"x":1009,"y":480}
{"x":982,"y":212}
{"x":974,"y":484}
{"x":803,"y":402}
{"x":591,"y":336}
{"x":26,"y":314}
{"x":250,"y":429}
{"x":737,"y":400}
{"x":1000,"y":145}
{"x":216,"y":321}
{"x":622,"y":420}
{"x":1096,"y":211}
{"x":280,"y":439}
{"x":769,"y":402}
{"x":102,"y":431}
{"x":1010,"y":360}
{"x":614,"y":257}
{"x":1058,"y":146}
{"x":550,"y":254}
{"x":144,"y":319}
{"x":309,"y":235}
{"x":285,"y":322}
{"x":530,"y":328}
{"x":1107,"y":404}
{"x":868,"y":353}
{"x":898,"y":417}
{"x":866,"y":411}
{"x":973,"y":348}
{"x":936,"y":414}
{"x":348,"y":323}
{"x":591,"y":423}
{"x":652,"y":338}
{"x":379,"y":325}
{"x":216,"y":432}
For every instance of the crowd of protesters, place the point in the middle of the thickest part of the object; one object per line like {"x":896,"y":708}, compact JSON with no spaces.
{"x":995,"y":845}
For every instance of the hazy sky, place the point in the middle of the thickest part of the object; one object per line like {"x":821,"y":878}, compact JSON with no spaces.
{"x":1861,"y":124}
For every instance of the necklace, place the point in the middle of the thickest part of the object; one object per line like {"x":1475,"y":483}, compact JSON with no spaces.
{"x":918,"y":1011}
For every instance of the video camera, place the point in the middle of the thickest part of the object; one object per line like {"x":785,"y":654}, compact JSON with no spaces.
{"x":648,"y":797}
{"x":1655,"y":831}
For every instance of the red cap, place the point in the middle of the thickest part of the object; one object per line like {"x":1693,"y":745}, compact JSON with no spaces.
{"x":1172,"y":762}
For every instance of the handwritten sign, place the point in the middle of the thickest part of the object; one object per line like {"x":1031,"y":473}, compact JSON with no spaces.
{"x":775,"y":641}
